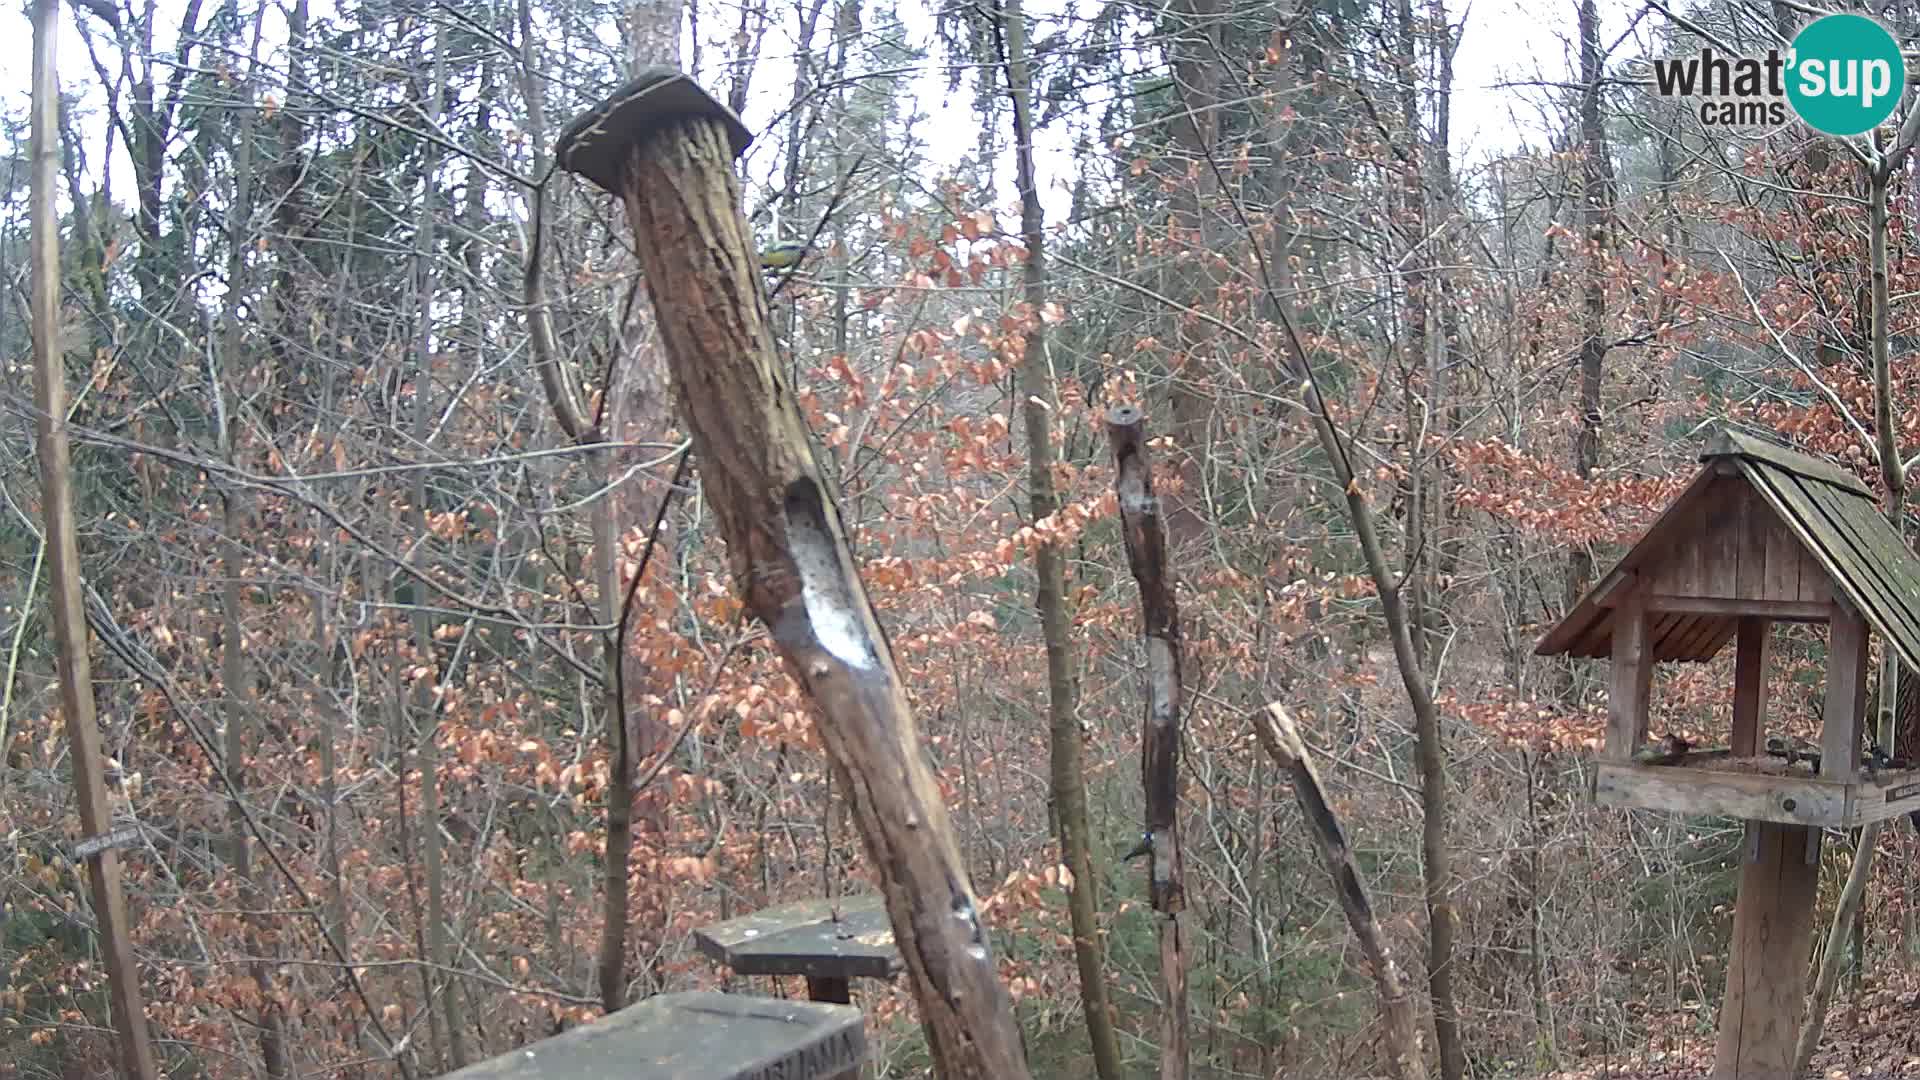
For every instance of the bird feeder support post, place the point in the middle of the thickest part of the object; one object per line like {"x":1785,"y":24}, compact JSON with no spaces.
{"x":829,"y":988}
{"x":1632,"y":678}
{"x":1773,"y":915}
{"x":1752,"y":651}
{"x":1846,"y":694}
{"x":839,"y":991}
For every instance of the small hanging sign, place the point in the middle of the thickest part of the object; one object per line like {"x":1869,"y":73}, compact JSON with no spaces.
{"x":94,"y":845}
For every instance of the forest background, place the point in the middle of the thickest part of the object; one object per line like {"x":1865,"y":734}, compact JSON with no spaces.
{"x":365,"y":492}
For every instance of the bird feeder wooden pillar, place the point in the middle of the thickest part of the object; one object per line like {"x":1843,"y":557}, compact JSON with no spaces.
{"x":1761,"y":535}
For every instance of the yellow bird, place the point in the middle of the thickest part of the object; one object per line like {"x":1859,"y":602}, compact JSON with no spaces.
{"x":783,"y":255}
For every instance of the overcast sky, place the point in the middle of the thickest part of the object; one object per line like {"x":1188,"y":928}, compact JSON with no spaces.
{"x":1505,"y":42}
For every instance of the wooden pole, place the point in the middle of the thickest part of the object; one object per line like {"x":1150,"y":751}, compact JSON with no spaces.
{"x":1631,"y":675}
{"x":1141,"y":525}
{"x":1275,"y":728}
{"x":1751,"y":652}
{"x":837,"y":991}
{"x":1846,"y":702}
{"x":1773,"y":915}
{"x":64,"y":594}
{"x":1767,"y":970}
{"x":667,"y":150}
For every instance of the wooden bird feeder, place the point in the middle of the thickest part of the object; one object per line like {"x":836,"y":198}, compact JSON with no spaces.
{"x":700,"y":1035}
{"x":1761,"y":535}
{"x":830,"y":942}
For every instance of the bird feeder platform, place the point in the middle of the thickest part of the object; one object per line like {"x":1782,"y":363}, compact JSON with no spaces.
{"x":701,"y":1035}
{"x":828,"y":941}
{"x":1707,"y":787}
{"x":1761,"y":535}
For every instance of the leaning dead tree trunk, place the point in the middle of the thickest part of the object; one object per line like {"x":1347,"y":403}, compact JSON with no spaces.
{"x":1146,"y":538}
{"x":1281,"y":738}
{"x":666,"y":148}
{"x":63,"y":561}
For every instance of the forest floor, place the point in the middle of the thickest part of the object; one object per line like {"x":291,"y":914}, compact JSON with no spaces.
{"x":1869,"y":1037}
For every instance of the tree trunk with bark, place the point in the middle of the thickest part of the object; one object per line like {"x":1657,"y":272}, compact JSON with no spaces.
{"x":1430,"y":754}
{"x":1034,"y":389}
{"x":426,"y":708}
{"x":236,"y":680}
{"x":64,"y":581}
{"x":1596,"y":213}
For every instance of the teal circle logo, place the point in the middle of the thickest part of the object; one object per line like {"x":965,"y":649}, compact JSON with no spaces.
{"x":1847,"y":76}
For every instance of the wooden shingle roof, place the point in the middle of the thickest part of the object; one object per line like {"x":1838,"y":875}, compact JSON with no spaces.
{"x":1829,"y":514}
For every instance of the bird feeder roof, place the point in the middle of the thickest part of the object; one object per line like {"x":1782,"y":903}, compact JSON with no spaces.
{"x":1816,"y":514}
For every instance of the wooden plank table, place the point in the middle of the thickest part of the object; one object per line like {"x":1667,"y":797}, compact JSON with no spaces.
{"x":828,"y":941}
{"x":702,"y":1035}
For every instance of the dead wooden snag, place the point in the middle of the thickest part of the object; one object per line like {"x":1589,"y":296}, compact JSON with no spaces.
{"x":1277,"y":733}
{"x":1146,"y":539}
{"x":667,"y":150}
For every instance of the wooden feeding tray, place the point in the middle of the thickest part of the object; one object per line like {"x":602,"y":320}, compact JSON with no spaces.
{"x":1758,"y":789}
{"x":701,"y":1035}
{"x":828,"y":941}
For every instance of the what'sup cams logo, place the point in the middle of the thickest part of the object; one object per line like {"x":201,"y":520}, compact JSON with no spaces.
{"x":1842,"y":75}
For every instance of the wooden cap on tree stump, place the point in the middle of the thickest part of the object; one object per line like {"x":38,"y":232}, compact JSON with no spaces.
{"x":597,"y":143}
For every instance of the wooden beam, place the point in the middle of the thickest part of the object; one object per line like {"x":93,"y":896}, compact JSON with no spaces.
{"x":1751,"y":654}
{"x":1617,"y":584}
{"x":1782,"y":610}
{"x":1846,"y":694}
{"x":1888,"y":794}
{"x":1722,"y":793}
{"x":700,"y":1034}
{"x":1630,"y":680}
{"x":1767,"y":968}
{"x":1732,"y":444}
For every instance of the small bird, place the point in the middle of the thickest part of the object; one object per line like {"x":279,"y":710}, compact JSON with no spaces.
{"x":1145,"y":847}
{"x":784,"y":255}
{"x":1794,"y":752}
{"x":1877,"y":758}
{"x":1667,"y":751}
